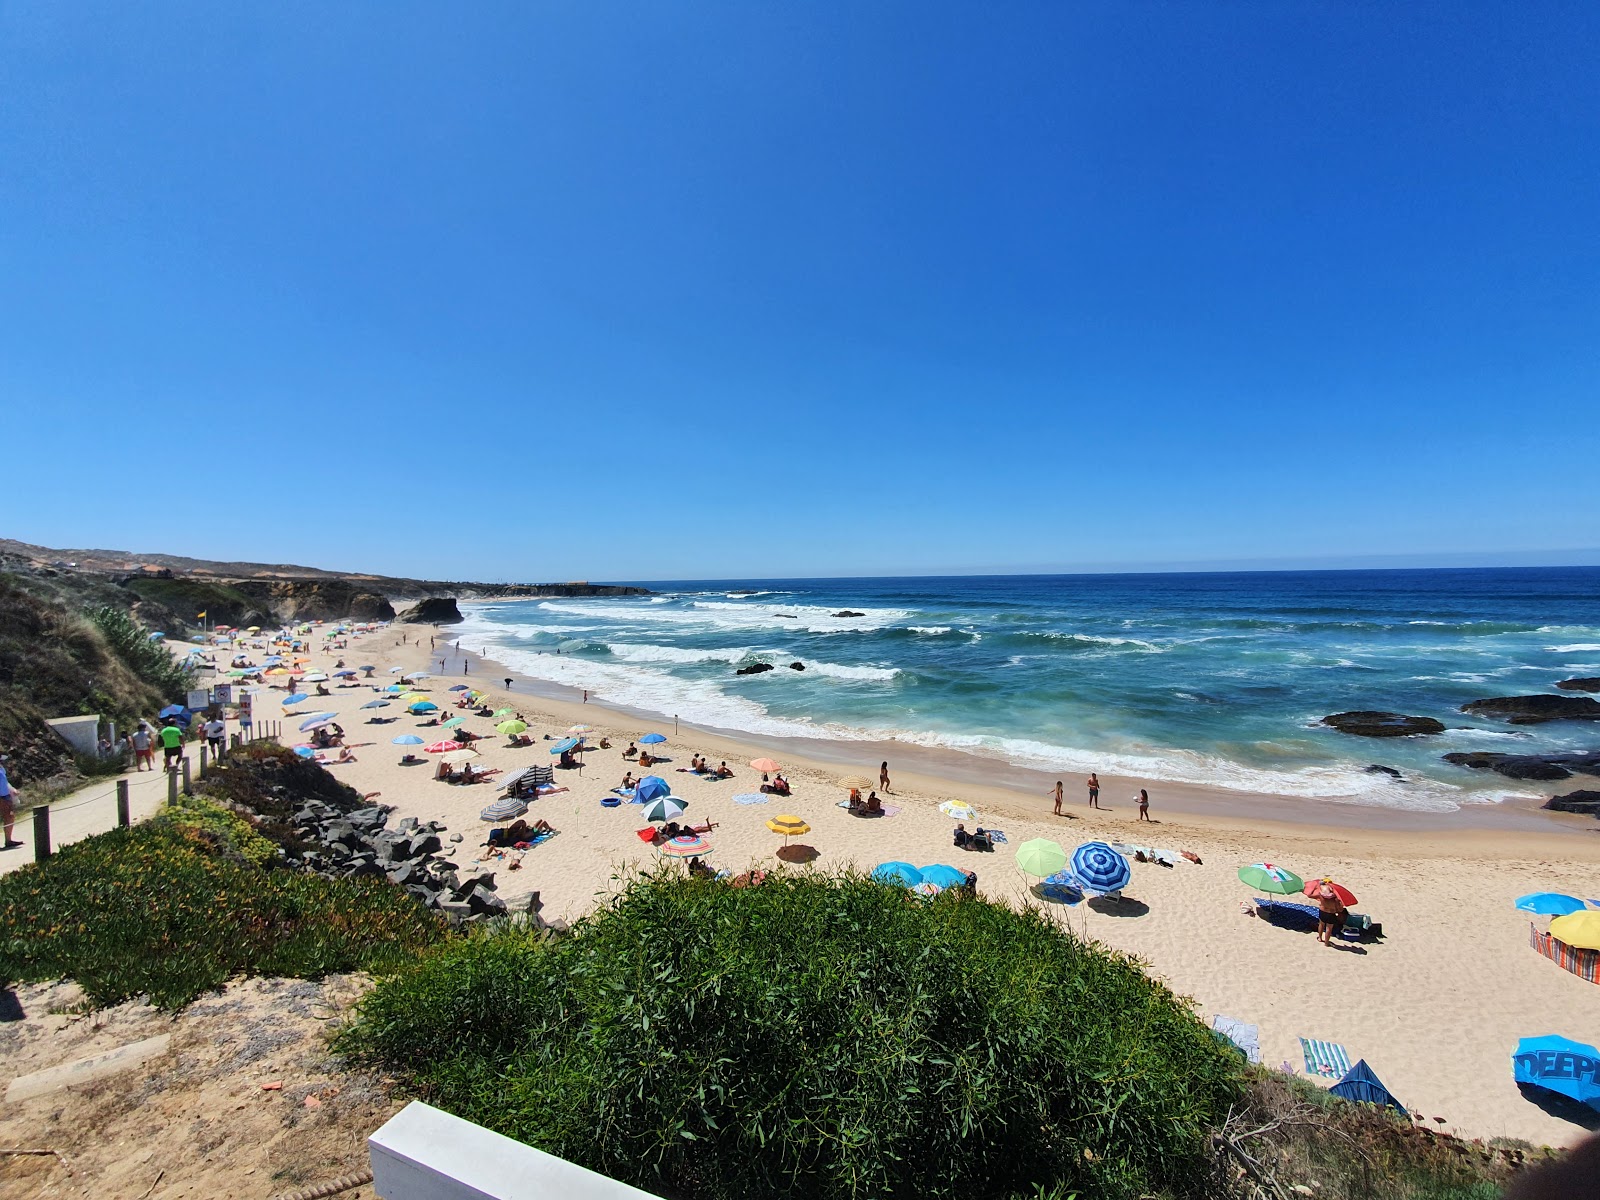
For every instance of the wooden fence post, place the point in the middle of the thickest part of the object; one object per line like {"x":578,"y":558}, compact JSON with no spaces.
{"x":188,"y":784}
{"x":203,"y":749}
{"x":123,"y":817}
{"x":41,"y":833}
{"x":172,"y":788}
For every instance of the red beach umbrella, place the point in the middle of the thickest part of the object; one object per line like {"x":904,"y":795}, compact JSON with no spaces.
{"x":441,"y":747}
{"x":1345,"y":895}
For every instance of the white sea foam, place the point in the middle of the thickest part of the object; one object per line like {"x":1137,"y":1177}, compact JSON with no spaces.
{"x":731,"y":615}
{"x":633,"y":652}
{"x":931,"y":630}
{"x":1575,"y":648}
{"x":855,"y":674}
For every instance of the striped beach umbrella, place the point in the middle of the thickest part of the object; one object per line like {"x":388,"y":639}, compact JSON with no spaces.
{"x":958,"y":811}
{"x":443,"y":747}
{"x":1099,"y":868}
{"x":789,"y":825}
{"x":688,"y":846}
{"x":504,"y":810}
{"x":664,"y":808}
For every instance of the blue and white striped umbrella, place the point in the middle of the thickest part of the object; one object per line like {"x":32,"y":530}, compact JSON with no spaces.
{"x":1099,"y":868}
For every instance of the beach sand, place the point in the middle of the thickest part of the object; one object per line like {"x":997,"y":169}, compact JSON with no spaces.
{"x":1435,"y":1007}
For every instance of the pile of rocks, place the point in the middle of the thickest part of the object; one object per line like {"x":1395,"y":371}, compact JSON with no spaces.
{"x":412,"y":855}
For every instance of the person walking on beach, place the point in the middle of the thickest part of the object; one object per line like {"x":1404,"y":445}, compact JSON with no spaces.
{"x":1330,"y":913}
{"x":1057,"y":809}
{"x":883,"y":777}
{"x":8,"y":803}
{"x":216,"y":735}
{"x":1144,"y":805}
{"x":144,"y":754}
{"x":1094,"y":790}
{"x":171,"y":743}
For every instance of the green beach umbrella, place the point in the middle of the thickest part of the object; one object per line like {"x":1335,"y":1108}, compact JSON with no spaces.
{"x":504,"y":712}
{"x":1270,"y":879}
{"x":1041,"y":857}
{"x":512,"y":728}
{"x":453,"y":722}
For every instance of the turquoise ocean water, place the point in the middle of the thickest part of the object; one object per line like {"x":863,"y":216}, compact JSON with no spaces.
{"x":1201,"y":678}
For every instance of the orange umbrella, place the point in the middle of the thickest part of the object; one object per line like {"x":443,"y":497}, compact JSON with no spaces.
{"x":1345,"y":895}
{"x":765,"y":764}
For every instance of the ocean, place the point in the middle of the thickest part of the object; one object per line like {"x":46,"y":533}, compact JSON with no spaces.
{"x":1216,"y":679}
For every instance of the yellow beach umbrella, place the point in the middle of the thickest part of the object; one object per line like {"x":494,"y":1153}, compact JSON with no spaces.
{"x":458,"y":756}
{"x":789,"y":826}
{"x":855,"y":781}
{"x":1580,"y":929}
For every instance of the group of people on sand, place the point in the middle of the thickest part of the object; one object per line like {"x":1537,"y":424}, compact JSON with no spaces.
{"x":700,"y":765}
{"x":1057,"y":794}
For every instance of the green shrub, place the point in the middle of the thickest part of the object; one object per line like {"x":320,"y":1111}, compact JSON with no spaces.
{"x":813,"y":1037}
{"x":161,"y":909}
{"x":150,"y":661}
{"x":226,"y":831}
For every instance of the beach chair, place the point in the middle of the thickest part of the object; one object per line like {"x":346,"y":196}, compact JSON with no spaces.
{"x":1246,"y":1037}
{"x":1327,"y":1059}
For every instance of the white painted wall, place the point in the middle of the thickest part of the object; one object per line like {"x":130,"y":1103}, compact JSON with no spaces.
{"x":81,"y":733}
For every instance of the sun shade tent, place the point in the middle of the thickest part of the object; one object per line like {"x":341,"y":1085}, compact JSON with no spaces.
{"x":1561,"y":1065}
{"x":1362,"y":1086}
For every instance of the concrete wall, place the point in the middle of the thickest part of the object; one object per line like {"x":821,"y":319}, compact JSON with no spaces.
{"x":424,"y":1153}
{"x":81,"y":733}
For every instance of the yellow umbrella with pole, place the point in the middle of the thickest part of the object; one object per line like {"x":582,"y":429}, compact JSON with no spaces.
{"x":1580,"y":929}
{"x":789,"y":826}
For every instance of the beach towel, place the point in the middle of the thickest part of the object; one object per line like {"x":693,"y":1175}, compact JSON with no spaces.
{"x":625,"y":793}
{"x":544,"y":835}
{"x":997,"y":836}
{"x":888,"y":810}
{"x":1246,"y":1037}
{"x":750,"y":798}
{"x":1327,"y":1059}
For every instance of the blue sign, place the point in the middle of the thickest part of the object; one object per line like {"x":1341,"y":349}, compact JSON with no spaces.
{"x":1560,"y":1065}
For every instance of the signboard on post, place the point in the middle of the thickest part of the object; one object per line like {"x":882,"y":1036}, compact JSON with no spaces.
{"x":198,"y":698}
{"x":222,"y":693}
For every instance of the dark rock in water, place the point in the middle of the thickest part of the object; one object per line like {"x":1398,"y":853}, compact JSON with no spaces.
{"x":1382,"y":724}
{"x":435,"y":610}
{"x":845,"y":612}
{"x":787,"y":616}
{"x":1531,"y":710}
{"x":797,"y":666}
{"x":754,"y":669}
{"x":1556,"y":765}
{"x":1576,"y":802}
{"x":1378,"y":769}
{"x":1580,"y":685}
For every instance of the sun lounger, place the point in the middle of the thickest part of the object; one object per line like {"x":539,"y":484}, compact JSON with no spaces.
{"x":1246,"y":1037}
{"x":1327,"y":1059}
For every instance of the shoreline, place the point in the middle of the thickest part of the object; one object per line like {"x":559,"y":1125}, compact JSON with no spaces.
{"x":958,"y":774}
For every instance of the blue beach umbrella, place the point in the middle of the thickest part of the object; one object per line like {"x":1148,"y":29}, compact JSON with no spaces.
{"x":649,"y":788}
{"x":407,"y":739}
{"x":172,"y":710}
{"x":651,"y":739}
{"x":1099,"y":868}
{"x":376,"y":704}
{"x":394,"y":688}
{"x":423,"y":706}
{"x":295,"y":698}
{"x":897,"y":874}
{"x":316,"y":721}
{"x":157,"y":636}
{"x":564,"y":745}
{"x":305,"y":751}
{"x":1549,"y":904}
{"x":1560,"y":1065}
{"x":345,"y":674}
{"x":460,"y":687}
{"x":942,"y":876}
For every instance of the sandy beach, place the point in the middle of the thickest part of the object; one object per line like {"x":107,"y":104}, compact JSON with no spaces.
{"x":1435,"y":1007}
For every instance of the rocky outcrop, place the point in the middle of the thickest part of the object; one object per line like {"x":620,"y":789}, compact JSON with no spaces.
{"x":1380,"y":769}
{"x":1580,"y":685}
{"x":1576,"y":802}
{"x":1365,"y":723}
{"x":1556,"y":765}
{"x":797,"y":666}
{"x":845,"y":612}
{"x":435,"y":610}
{"x":316,"y":599}
{"x":1534,"y":710}
{"x":754,"y":669}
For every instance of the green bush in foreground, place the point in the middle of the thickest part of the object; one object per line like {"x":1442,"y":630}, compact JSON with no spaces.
{"x":174,"y":908}
{"x":813,"y":1037}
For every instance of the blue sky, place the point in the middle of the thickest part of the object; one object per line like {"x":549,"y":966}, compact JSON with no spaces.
{"x":590,"y":290}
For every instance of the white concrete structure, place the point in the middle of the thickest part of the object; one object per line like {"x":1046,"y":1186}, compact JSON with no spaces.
{"x":81,"y":733}
{"x":423,"y":1153}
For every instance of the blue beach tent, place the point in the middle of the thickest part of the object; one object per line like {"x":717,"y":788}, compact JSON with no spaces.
{"x":1559,"y":1065}
{"x":896,"y":874}
{"x":1362,"y":1086}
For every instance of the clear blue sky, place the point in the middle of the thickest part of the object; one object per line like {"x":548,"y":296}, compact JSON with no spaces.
{"x":567,"y":290}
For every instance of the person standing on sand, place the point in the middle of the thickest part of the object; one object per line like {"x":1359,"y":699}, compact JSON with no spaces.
{"x":883,"y":777}
{"x":1057,"y":809}
{"x":8,"y":803}
{"x":1330,"y":913}
{"x":144,"y":754}
{"x":1144,"y":805}
{"x":1094,"y":790}
{"x":508,"y":685}
{"x":171,"y":743}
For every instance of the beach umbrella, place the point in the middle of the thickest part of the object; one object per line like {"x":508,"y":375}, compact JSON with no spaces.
{"x":649,"y":788}
{"x":580,"y":730}
{"x":652,"y":739}
{"x":663,"y":808}
{"x":423,"y":706}
{"x":942,"y":876}
{"x":376,"y":704}
{"x":317,"y":721}
{"x":1275,"y":881}
{"x":460,"y":687}
{"x":958,"y":811}
{"x":1549,"y":904}
{"x":344,"y":674}
{"x":314,"y":677}
{"x":394,"y":689}
{"x":1345,"y":896}
{"x":504,"y":810}
{"x":1559,"y":1065}
{"x":253,"y":629}
{"x":393,"y":670}
{"x":1580,"y":929}
{"x":688,"y":846}
{"x":504,"y":712}
{"x":765,"y":765}
{"x":295,"y":698}
{"x":441,"y":747}
{"x":563,"y":745}
{"x":458,"y":756}
{"x":279,"y":671}
{"x":855,"y":781}
{"x":512,"y":728}
{"x":172,"y":710}
{"x":1099,"y":868}
{"x":788,"y":825}
{"x":407,"y":739}
{"x":897,"y":874}
{"x":305,"y":751}
{"x":1041,"y":857}
{"x":454,"y":722}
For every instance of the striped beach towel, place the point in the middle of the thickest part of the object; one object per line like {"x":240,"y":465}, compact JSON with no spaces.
{"x":1585,"y":964}
{"x":1246,"y":1037}
{"x":1325,"y":1058}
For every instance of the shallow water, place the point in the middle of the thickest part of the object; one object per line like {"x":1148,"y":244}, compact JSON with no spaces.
{"x":1201,"y":678}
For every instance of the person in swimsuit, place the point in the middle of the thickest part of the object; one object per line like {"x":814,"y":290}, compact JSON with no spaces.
{"x":1094,"y":790}
{"x":883,"y":777}
{"x":1057,"y":793}
{"x":1330,"y":913}
{"x":1144,"y":805}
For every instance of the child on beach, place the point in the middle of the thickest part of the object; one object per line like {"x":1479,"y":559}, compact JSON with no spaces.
{"x":1057,"y":809}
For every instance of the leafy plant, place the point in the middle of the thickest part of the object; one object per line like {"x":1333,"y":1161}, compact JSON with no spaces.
{"x":131,"y":642}
{"x":813,"y":1037}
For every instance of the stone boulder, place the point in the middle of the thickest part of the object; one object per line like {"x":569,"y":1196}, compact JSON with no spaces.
{"x":1364,"y":723}
{"x":435,"y":610}
{"x":1380,"y":769}
{"x":754,"y":669}
{"x":1552,"y":766}
{"x":845,"y":612}
{"x":1580,"y":685}
{"x":1576,"y":802}
{"x":797,"y":666}
{"x":1534,"y":710}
